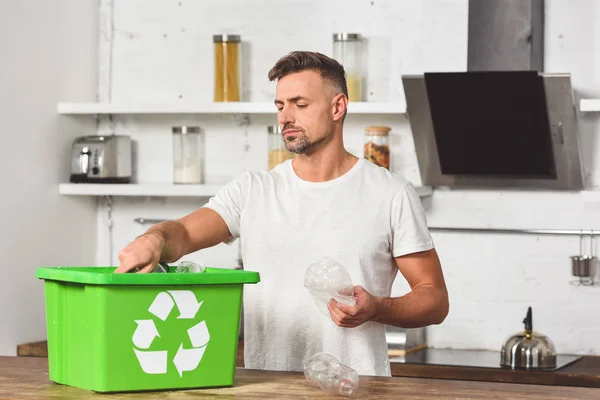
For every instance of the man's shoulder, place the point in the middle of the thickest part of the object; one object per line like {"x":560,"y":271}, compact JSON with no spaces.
{"x":383,"y":178}
{"x":255,"y":176}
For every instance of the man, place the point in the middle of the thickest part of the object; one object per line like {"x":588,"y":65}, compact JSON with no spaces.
{"x":323,"y":203}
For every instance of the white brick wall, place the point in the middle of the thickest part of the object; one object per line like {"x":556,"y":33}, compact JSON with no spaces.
{"x":162,"y":51}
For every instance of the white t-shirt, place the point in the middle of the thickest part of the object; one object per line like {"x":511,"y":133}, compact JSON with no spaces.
{"x":361,"y":219}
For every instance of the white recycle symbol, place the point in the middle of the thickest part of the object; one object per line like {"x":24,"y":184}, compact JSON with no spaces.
{"x":155,"y":362}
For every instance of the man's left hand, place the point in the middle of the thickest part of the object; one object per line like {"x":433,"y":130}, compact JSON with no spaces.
{"x":351,"y":317}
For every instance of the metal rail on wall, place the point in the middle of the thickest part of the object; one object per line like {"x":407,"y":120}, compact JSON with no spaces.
{"x":574,"y":232}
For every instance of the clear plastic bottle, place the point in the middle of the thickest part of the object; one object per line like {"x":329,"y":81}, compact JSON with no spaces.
{"x":326,"y":372}
{"x":327,"y":279}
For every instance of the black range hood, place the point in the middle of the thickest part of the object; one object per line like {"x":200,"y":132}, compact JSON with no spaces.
{"x":495,"y":129}
{"x":503,"y":122}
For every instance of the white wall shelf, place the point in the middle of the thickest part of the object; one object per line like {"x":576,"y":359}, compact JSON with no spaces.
{"x":209,"y":108}
{"x":590,"y":196}
{"x":589,"y":105}
{"x":158,"y":190}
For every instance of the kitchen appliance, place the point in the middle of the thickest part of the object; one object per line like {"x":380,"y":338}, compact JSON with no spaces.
{"x":101,"y":159}
{"x":511,"y":129}
{"x":528,"y":349}
{"x":503,"y":123}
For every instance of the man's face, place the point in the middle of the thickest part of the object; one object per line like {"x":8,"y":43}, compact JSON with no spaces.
{"x":305,"y":110}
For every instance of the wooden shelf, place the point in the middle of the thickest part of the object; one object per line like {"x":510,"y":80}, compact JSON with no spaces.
{"x":209,"y":108}
{"x":158,"y":190}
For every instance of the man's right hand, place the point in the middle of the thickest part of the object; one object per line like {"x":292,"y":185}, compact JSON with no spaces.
{"x":143,"y":253}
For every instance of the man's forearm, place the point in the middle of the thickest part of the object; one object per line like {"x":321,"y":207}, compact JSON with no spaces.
{"x":173,"y":235}
{"x":423,"y":306}
{"x":199,"y":230}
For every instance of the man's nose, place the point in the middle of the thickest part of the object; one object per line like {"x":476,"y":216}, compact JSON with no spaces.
{"x":286,"y":116}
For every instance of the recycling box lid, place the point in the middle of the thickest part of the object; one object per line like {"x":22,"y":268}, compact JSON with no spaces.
{"x":106,"y":276}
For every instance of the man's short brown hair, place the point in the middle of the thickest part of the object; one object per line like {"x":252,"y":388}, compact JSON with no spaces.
{"x":297,"y":61}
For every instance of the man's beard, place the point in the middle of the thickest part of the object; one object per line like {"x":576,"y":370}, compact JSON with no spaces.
{"x":301,"y":144}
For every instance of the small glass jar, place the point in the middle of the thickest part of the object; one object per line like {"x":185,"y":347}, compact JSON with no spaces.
{"x":277,"y":151}
{"x":187,"y":155}
{"x":227,"y":67}
{"x":377,"y":145}
{"x":347,"y":50}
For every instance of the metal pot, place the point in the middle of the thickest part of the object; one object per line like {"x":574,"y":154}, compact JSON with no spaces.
{"x":528,"y":349}
{"x":583,"y":266}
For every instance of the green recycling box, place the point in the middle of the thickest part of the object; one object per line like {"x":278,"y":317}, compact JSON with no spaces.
{"x":112,"y":332}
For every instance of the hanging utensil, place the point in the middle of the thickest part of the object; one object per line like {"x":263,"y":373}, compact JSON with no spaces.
{"x":583,"y":266}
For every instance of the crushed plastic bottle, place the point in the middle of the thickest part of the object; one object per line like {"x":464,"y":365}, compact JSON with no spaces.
{"x":325,"y":280}
{"x":328,"y":373}
{"x":188,"y":266}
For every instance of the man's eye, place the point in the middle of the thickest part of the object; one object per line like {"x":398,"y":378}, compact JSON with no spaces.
{"x":302,"y":105}
{"x":279,"y":109}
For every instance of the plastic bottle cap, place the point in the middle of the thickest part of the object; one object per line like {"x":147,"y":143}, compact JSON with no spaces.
{"x":346,"y":387}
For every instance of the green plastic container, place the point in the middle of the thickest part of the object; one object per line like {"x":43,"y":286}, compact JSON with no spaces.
{"x":112,"y":332}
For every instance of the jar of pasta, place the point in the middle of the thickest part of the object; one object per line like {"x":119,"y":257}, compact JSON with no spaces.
{"x":377,"y":145}
{"x":277,"y":151}
{"x":227,"y":67}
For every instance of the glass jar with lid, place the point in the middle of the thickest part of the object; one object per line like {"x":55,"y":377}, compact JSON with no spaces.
{"x":187,"y":155}
{"x":227,"y":67}
{"x":377,"y":145}
{"x":277,"y":150}
{"x":347,"y":50}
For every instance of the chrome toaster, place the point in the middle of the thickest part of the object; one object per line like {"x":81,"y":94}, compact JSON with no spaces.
{"x":101,"y":159}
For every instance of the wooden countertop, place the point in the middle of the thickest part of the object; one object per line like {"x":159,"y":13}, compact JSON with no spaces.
{"x":582,"y":373}
{"x":27,"y":378}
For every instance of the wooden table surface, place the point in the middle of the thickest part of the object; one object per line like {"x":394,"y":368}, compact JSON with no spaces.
{"x":27,"y":378}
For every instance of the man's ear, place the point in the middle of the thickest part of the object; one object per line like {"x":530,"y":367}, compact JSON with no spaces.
{"x":339,"y":106}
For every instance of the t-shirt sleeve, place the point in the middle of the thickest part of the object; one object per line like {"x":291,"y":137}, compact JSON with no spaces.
{"x":409,"y":223}
{"x":229,"y":203}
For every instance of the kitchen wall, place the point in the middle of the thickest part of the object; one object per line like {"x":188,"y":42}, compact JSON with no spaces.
{"x":162,"y":51}
{"x":48,"y":53}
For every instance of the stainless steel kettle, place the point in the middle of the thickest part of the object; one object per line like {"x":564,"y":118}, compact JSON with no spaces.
{"x":528,"y":349}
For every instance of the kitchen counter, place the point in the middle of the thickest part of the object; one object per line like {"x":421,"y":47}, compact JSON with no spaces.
{"x":584,"y":372}
{"x":27,"y":378}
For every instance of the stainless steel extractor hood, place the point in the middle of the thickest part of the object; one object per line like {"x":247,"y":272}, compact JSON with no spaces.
{"x":503,"y":122}
{"x":511,"y":129}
